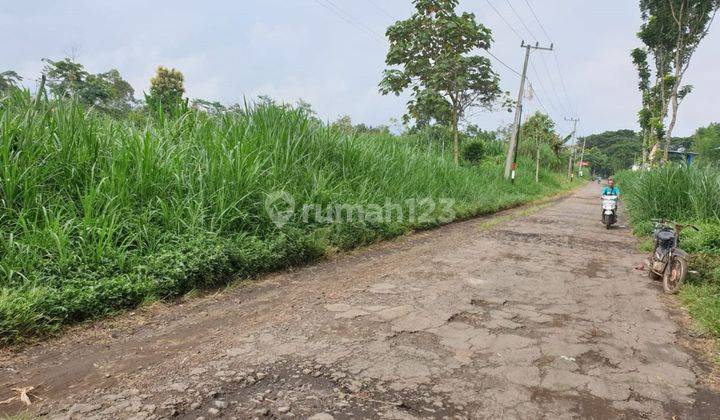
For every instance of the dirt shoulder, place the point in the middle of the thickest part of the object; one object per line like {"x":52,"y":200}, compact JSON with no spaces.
{"x":540,"y":316}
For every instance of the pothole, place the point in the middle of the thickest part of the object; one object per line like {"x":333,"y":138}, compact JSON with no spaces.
{"x":592,"y":359}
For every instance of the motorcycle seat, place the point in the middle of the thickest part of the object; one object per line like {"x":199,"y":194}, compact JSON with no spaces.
{"x":665,"y":235}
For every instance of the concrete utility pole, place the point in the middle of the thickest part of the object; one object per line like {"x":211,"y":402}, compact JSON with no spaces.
{"x":582,"y":156}
{"x":511,"y":157}
{"x":571,"y":172}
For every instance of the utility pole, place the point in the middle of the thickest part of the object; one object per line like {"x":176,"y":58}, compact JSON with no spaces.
{"x":571,"y":172}
{"x":511,"y":158}
{"x":582,"y":156}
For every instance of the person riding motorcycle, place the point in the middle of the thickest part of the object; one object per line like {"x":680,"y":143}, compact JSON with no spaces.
{"x":611,"y":189}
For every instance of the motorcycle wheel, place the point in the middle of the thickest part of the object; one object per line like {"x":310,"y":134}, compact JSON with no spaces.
{"x":608,"y":222}
{"x":674,"y":275}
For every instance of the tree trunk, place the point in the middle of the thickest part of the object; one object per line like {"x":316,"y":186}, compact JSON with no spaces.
{"x":537,"y":164}
{"x":671,"y":126}
{"x":456,"y":139}
{"x":674,"y":99}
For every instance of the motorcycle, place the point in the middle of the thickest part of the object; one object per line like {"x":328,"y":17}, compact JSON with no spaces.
{"x":668,"y":262}
{"x":609,"y":210}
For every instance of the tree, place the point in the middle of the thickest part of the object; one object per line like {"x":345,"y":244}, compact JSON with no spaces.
{"x":652,"y":113}
{"x":477,"y":133}
{"x":598,"y":161}
{"x":65,"y":78}
{"x":617,"y":150}
{"x":9,"y":80}
{"x":344,"y":124}
{"x":539,"y":130}
{"x":166,"y":88}
{"x":706,"y":141}
{"x":108,"y":91}
{"x":672,"y":31}
{"x":433,"y":50}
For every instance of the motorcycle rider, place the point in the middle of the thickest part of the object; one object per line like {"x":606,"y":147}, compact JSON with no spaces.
{"x":611,"y":189}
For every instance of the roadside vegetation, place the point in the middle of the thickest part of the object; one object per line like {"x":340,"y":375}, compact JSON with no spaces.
{"x":109,"y":202}
{"x":99,"y":214}
{"x":685,"y":194}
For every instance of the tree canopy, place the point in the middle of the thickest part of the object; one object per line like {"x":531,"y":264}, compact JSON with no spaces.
{"x":166,"y":88}
{"x":9,"y":80}
{"x":107,"y":91}
{"x":706,"y":141}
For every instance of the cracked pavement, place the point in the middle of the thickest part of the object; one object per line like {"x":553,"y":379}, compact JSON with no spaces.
{"x":541,"y":316}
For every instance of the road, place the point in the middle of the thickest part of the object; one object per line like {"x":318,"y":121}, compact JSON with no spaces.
{"x":533,"y":313}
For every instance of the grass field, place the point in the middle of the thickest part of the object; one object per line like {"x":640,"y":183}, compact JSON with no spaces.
{"x":99,"y":215}
{"x":687,"y":195}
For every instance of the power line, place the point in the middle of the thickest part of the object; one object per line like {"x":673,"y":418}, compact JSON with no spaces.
{"x":558,"y":97}
{"x":367,"y":28}
{"x":538,"y":20}
{"x":522,"y":22}
{"x":517,"y":33}
{"x":334,"y":9}
{"x":504,"y":20}
{"x":381,"y":9}
{"x":565,"y":95}
{"x":503,"y":63}
{"x":545,"y":91}
{"x":562,"y":81}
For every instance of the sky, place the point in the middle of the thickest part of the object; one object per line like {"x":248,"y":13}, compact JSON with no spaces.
{"x":331,"y":53}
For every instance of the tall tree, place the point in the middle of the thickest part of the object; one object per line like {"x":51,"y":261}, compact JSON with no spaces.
{"x":166,"y":88}
{"x":9,"y":80}
{"x":672,"y":31}
{"x":652,"y":113}
{"x":432,"y":55}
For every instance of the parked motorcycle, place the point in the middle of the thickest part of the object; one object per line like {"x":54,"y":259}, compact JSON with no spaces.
{"x":610,"y":204}
{"x":668,"y":262}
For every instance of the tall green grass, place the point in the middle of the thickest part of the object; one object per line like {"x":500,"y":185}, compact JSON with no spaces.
{"x":676,"y":192}
{"x":686,"y":194}
{"x":98,"y":215}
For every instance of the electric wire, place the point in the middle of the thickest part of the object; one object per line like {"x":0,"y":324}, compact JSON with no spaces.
{"x":497,"y":12}
{"x":522,"y":22}
{"x":538,"y":21}
{"x":562,"y":94}
{"x":381,"y":9}
{"x":566,"y":96}
{"x":544,"y":91}
{"x":503,"y":63}
{"x":334,"y":9}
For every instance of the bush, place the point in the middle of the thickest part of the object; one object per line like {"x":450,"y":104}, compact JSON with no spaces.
{"x":473,"y":152}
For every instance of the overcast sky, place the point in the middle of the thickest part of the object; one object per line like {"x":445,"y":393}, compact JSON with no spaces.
{"x":333,"y":57}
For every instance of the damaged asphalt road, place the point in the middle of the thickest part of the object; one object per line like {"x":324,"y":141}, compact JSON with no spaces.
{"x":540,"y":316}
